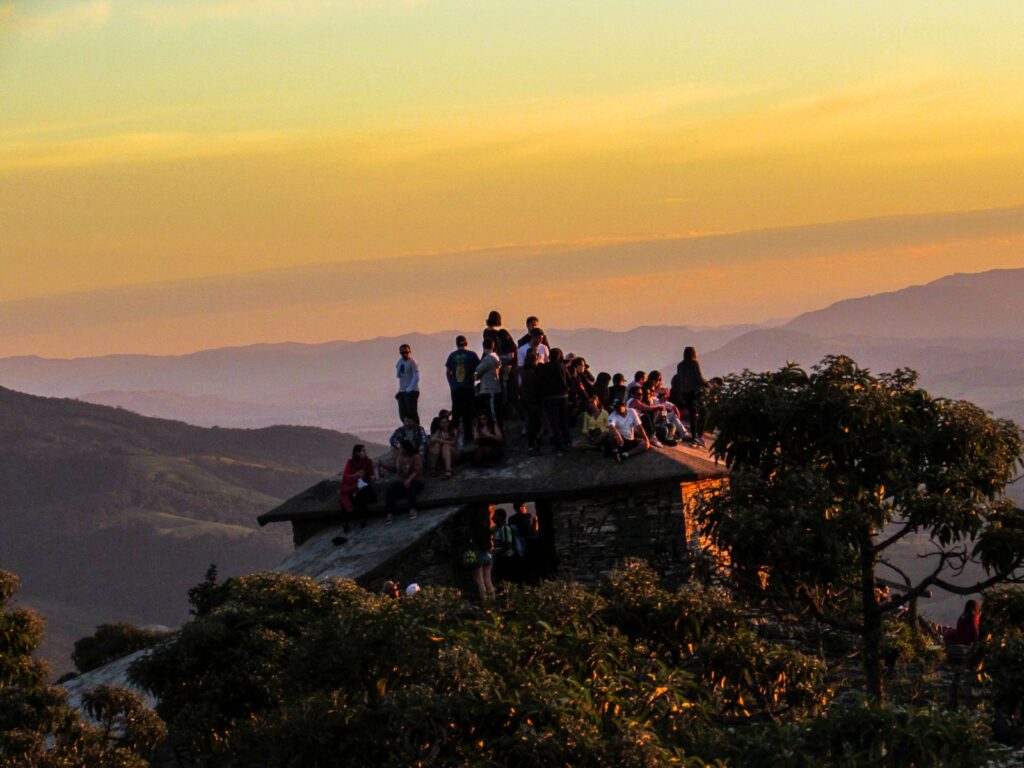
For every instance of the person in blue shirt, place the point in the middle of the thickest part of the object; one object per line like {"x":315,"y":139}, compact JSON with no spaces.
{"x":460,"y":368}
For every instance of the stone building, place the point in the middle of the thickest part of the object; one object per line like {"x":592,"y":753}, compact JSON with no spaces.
{"x":592,"y":513}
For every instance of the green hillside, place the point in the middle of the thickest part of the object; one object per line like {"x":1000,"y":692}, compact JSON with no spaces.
{"x":111,"y":516}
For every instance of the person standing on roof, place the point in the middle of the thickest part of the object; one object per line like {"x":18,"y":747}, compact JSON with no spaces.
{"x":533,"y":324}
{"x":408,"y":374}
{"x":489,"y":375}
{"x":460,"y":368}
{"x":687,"y":385}
{"x":536,"y":343}
{"x":505,"y":348}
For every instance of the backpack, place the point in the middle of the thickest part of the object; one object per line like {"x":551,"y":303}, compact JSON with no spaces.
{"x":504,"y":541}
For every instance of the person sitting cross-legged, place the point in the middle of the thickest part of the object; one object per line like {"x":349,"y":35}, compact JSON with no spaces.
{"x":627,"y":423}
{"x":596,"y":429}
{"x":407,"y":482}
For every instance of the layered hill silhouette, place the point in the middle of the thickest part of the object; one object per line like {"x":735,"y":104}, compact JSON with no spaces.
{"x":984,"y":305}
{"x":341,"y":385}
{"x":111,"y":516}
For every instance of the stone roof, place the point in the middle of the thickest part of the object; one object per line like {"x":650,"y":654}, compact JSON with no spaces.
{"x":581,"y":473}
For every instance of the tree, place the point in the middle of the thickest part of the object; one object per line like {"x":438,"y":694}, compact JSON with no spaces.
{"x":829,"y":471}
{"x":37,"y":727}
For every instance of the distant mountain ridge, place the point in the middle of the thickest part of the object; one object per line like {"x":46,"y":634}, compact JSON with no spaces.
{"x":981,"y":305}
{"x":107,"y":515}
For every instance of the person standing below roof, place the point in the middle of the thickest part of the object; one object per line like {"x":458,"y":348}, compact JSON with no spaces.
{"x":536,"y":343}
{"x":687,"y":385}
{"x":460,"y":368}
{"x":488,"y":373}
{"x":627,"y":423}
{"x":533,"y":324}
{"x":408,"y":374}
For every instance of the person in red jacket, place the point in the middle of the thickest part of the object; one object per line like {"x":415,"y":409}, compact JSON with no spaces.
{"x":357,"y":491}
{"x":968,"y":626}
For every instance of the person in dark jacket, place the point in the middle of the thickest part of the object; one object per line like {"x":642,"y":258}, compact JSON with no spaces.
{"x":553,"y":386}
{"x":687,"y":385}
{"x":529,"y":400}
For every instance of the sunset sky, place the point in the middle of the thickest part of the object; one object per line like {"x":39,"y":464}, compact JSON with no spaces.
{"x":180,"y":174}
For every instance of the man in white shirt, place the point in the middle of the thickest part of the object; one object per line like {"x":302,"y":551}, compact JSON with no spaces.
{"x":535,"y":343}
{"x":627,"y":423}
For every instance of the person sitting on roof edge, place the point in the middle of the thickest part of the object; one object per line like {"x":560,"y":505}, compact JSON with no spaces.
{"x":596,"y":429}
{"x":627,"y":423}
{"x":444,"y":438}
{"x":357,"y":491}
{"x":407,"y":483}
{"x":411,"y":431}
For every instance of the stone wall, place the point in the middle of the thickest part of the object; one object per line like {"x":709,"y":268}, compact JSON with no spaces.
{"x":593,"y":536}
{"x":581,"y":539}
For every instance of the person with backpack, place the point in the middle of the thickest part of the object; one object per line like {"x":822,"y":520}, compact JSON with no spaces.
{"x":504,"y":548}
{"x":460,"y":368}
{"x":505,"y":348}
{"x":525,"y":541}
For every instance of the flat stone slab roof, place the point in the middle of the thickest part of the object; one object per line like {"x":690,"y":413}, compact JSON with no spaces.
{"x":365,"y":550}
{"x":581,"y":472}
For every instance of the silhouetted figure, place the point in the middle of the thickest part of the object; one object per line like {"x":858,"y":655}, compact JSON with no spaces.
{"x":460,"y":368}
{"x":688,"y":384}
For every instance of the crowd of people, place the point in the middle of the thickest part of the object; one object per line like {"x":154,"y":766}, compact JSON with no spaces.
{"x":554,"y":397}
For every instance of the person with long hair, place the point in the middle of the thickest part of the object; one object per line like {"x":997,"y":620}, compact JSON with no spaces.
{"x":357,"y":490}
{"x":489,"y":441}
{"x":688,"y":384}
{"x":483,"y":542}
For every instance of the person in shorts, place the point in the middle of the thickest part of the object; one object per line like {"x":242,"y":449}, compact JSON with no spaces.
{"x":626,"y":422}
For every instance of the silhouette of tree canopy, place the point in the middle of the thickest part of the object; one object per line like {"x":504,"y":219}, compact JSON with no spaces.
{"x":37,"y":727}
{"x":830,"y":470}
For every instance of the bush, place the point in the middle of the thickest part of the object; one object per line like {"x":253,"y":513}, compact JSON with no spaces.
{"x":110,"y":642}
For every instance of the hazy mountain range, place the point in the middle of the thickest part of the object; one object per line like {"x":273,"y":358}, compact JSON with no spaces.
{"x":110,"y":516}
{"x":963,"y":333}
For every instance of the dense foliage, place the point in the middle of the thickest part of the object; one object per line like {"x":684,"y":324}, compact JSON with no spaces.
{"x":110,"y":642}
{"x":830,"y":470}
{"x":37,"y":727}
{"x":293,"y":673}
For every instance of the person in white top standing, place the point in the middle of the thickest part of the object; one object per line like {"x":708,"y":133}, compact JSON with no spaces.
{"x":408,"y":374}
{"x":535,"y":343}
{"x":488,"y":374}
{"x":627,"y":423}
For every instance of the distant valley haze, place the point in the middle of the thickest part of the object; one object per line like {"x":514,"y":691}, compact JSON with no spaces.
{"x":963,"y":333}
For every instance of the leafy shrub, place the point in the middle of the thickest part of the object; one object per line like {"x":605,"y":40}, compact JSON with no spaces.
{"x":110,"y":642}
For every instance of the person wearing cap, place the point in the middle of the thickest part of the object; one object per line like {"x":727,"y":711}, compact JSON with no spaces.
{"x":626,"y":422}
{"x":408,"y":374}
{"x":460,"y":368}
